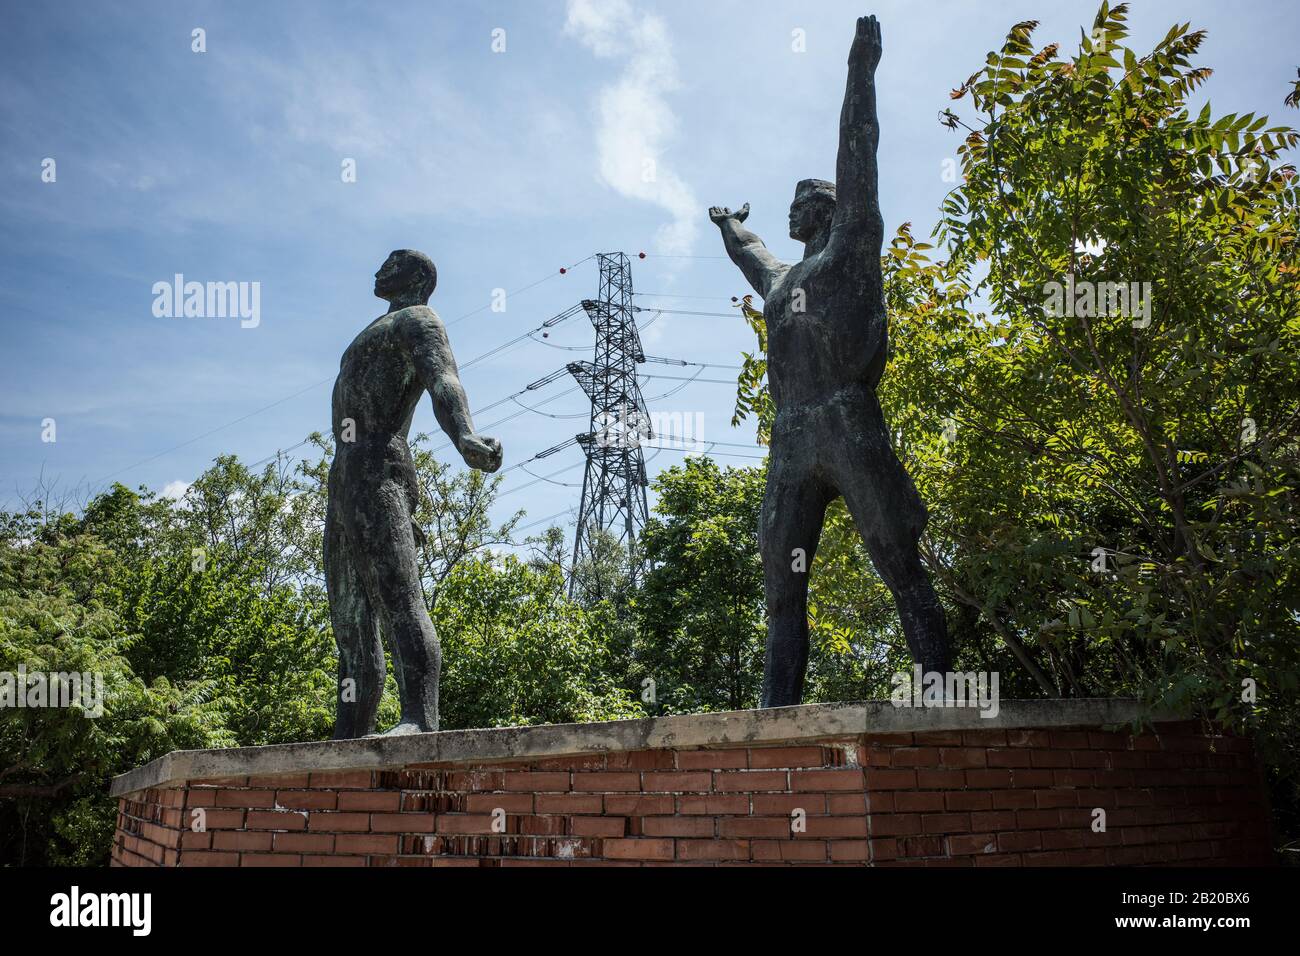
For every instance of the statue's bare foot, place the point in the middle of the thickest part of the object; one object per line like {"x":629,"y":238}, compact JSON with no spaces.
{"x":403,"y":730}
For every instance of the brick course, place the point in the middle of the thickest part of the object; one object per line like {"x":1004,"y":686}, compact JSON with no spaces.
{"x":965,"y":798}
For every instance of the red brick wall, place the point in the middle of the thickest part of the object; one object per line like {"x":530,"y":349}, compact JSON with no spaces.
{"x":982,"y":798}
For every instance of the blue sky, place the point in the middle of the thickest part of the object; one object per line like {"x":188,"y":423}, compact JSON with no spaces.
{"x":502,"y":166}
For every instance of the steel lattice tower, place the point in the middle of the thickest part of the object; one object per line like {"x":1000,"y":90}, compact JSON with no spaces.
{"x":613,"y":487}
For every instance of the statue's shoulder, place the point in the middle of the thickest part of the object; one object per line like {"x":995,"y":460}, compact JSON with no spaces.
{"x":416,"y":318}
{"x":416,"y":313}
{"x":777,"y":278}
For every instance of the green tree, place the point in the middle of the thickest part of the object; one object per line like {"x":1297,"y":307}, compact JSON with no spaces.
{"x":217,"y":587}
{"x":207,"y":618}
{"x":700,"y":611}
{"x":1147,"y":540}
{"x":516,"y":651}
{"x":55,"y":761}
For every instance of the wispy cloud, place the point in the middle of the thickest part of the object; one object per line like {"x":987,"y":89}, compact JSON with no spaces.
{"x":425,"y":143}
{"x":637,"y":125}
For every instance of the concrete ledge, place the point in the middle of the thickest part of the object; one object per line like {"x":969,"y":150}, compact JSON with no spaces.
{"x":733,"y":728}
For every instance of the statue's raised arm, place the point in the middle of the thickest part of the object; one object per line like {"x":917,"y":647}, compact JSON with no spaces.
{"x":857,"y":216}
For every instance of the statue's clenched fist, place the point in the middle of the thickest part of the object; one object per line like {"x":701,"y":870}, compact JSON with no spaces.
{"x":481,"y":452}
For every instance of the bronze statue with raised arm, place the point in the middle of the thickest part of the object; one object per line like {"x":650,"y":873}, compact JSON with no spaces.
{"x":372,"y":570}
{"x":827,"y":344}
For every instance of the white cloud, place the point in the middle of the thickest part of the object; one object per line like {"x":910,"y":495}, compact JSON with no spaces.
{"x":636,"y":123}
{"x":175,"y":489}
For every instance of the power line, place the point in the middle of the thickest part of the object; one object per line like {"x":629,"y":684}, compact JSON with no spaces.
{"x":281,"y":451}
{"x":324,"y":381}
{"x":676,"y":388}
{"x":565,"y":348}
{"x":486,"y":408}
{"x":673,"y":295}
{"x":545,"y":380}
{"x":512,"y":417}
{"x":532,"y":285}
{"x":710,"y":453}
{"x":725,"y":444}
{"x":558,"y":514}
{"x":676,"y":361}
{"x":505,"y":348}
{"x":678,"y":378}
{"x":549,"y":323}
{"x":534,"y":524}
{"x":584,"y":348}
{"x":554,"y":415}
{"x":213,"y":431}
{"x":659,"y":314}
{"x":724,"y":315}
{"x":562,"y":484}
{"x":539,"y":480}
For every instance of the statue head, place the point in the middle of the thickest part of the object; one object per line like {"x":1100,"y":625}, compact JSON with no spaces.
{"x":812,"y":209}
{"x":406,"y":275}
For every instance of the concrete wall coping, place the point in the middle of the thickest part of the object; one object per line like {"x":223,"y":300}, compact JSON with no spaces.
{"x":733,"y":728}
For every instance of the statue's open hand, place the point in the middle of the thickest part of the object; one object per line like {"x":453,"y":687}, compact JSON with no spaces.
{"x":481,"y":452}
{"x":720,"y":214}
{"x":866,"y":42}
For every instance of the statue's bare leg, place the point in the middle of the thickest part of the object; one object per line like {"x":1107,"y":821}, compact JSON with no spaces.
{"x":356,"y":631}
{"x":790,"y":524}
{"x":890,"y":516}
{"x":380,"y":526}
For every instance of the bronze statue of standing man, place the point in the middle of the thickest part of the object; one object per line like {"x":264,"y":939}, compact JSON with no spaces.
{"x":827,"y":343}
{"x":372,"y":569}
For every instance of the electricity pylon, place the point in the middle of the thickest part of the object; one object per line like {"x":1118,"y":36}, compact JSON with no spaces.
{"x":613,"y":486}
